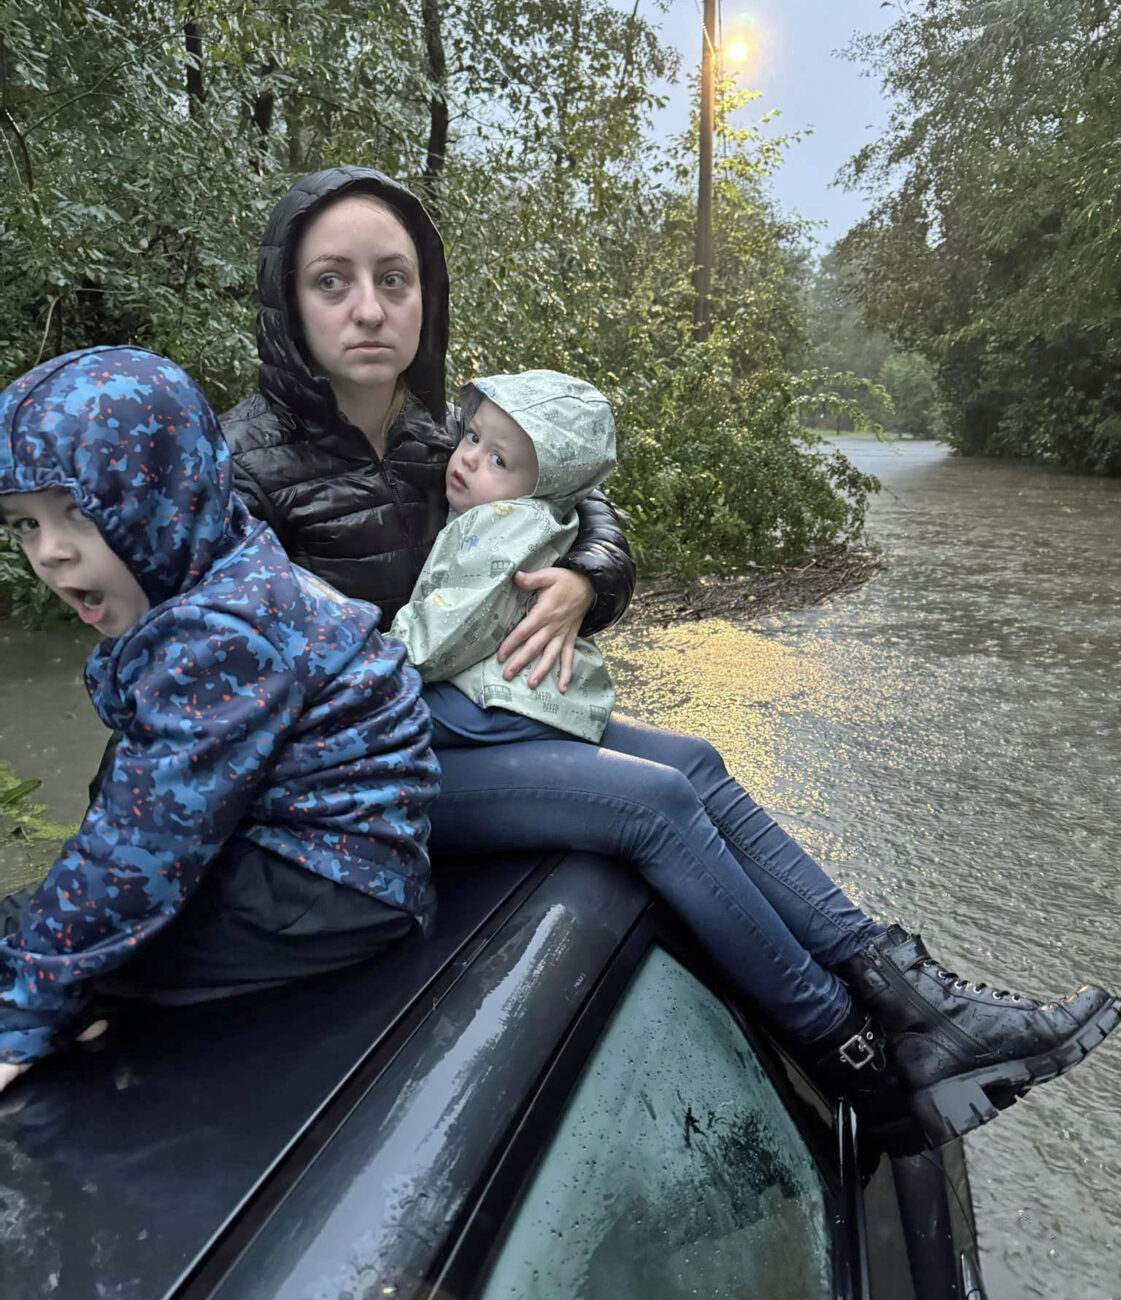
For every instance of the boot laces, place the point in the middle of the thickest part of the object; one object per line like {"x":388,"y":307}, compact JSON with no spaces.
{"x":950,"y":977}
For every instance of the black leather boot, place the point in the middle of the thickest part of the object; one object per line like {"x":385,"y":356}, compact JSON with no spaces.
{"x":966,"y":1051}
{"x":853,"y":1063}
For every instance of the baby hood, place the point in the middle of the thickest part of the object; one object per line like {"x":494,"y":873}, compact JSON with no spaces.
{"x":568,"y":421}
{"x":132,"y":439}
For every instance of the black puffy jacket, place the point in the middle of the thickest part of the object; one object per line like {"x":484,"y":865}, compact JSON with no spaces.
{"x":366,"y":523}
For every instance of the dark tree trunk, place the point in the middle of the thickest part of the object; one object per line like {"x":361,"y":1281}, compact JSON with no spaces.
{"x":437,"y":105}
{"x":261,"y":112}
{"x":263,"y":107}
{"x":262,"y":119}
{"x":293,"y":130}
{"x":196,"y":91}
{"x":9,"y":122}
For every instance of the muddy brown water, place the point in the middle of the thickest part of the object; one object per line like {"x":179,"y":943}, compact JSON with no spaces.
{"x":947,"y":740}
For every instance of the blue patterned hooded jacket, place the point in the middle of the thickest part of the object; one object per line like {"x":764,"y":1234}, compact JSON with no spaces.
{"x":254,"y":700}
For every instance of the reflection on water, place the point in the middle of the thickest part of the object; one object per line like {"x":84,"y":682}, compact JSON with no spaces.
{"x":947,"y":740}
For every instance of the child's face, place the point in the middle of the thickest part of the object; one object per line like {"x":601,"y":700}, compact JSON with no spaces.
{"x":495,"y":461}
{"x":72,"y":558}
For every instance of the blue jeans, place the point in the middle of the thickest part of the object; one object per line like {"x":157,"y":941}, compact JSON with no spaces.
{"x":766,"y":913}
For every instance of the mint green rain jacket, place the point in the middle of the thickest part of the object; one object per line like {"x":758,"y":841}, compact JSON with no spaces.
{"x":465,"y":600}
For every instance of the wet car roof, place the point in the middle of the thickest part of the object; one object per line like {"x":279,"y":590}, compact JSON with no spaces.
{"x":122,"y":1166}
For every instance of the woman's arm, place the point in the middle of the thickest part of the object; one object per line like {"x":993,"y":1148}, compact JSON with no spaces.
{"x":601,"y":554}
{"x":548,"y":632}
{"x":250,"y":491}
{"x":237,"y":428}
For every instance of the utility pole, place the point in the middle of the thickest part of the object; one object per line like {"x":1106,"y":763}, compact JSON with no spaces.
{"x":702,"y":259}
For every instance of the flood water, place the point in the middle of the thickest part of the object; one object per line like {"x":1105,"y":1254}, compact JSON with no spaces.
{"x":947,"y":740}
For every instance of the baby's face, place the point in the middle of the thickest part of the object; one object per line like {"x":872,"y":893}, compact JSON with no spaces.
{"x":495,"y":461}
{"x":72,"y":558}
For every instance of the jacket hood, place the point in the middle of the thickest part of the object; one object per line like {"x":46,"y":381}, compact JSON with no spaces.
{"x":132,"y":439}
{"x":286,"y":379}
{"x":568,"y":421}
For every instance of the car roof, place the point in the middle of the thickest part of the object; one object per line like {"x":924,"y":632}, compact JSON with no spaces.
{"x":123,"y":1163}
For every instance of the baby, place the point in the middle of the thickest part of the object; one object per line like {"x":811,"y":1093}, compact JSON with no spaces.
{"x":536,"y":445}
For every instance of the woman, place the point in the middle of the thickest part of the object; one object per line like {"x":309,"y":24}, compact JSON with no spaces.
{"x":343,"y":451}
{"x":359,"y":498}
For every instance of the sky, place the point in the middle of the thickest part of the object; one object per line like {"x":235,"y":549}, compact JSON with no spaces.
{"x":795,"y":61}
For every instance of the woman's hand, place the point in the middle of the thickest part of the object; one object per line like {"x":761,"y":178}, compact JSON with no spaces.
{"x":550,"y":628}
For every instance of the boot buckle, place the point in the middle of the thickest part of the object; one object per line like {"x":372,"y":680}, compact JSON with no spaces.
{"x":862,"y":1053}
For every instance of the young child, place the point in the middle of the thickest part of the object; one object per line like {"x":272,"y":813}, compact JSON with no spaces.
{"x":536,"y":445}
{"x":265,"y":813}
{"x":924,"y":1056}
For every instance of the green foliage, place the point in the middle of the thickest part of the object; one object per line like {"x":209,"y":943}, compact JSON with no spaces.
{"x":995,"y":246}
{"x":21,"y":818}
{"x":145,"y":144}
{"x":861,"y":379}
{"x":910,"y":380}
{"x":716,"y":472}
{"x":846,"y":396}
{"x":589,"y":269}
{"x":22,"y":595}
{"x":29,"y":840}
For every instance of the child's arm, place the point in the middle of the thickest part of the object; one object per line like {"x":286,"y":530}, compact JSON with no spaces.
{"x":209,"y":701}
{"x":465,"y":600}
{"x":9,"y":1073}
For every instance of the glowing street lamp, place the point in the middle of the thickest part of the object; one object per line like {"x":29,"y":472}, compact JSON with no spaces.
{"x":736,"y":51}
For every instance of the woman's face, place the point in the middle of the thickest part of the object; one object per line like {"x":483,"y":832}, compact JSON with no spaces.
{"x":359,"y":295}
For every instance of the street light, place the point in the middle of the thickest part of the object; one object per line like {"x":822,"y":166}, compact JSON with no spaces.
{"x":702,"y":259}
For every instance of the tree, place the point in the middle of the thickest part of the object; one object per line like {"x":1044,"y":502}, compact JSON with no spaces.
{"x":869,"y":378}
{"x":146,"y":142}
{"x":909,"y":378}
{"x":995,"y":243}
